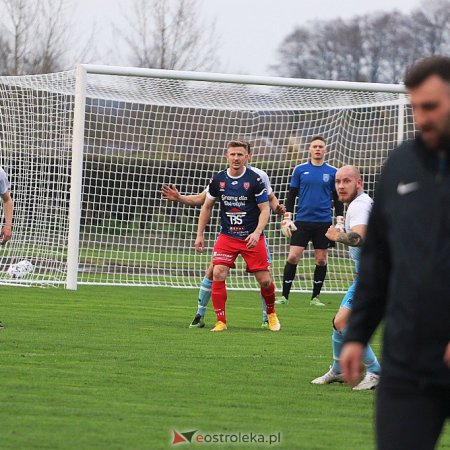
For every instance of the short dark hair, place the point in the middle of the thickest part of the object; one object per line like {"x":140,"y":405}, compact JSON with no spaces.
{"x":433,"y":65}
{"x":318,"y":137}
{"x":239,"y":143}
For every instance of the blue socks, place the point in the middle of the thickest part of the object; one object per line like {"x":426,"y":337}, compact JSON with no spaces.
{"x":204,"y":295}
{"x":264,"y":309}
{"x":369,"y":358}
{"x":337,"y":342}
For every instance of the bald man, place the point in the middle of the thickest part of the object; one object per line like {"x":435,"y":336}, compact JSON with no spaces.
{"x":349,"y":187}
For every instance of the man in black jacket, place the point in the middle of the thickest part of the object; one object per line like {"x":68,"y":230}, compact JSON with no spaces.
{"x":405,"y":274}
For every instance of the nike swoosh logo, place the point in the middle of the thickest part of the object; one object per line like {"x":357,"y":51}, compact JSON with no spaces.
{"x":406,"y":188}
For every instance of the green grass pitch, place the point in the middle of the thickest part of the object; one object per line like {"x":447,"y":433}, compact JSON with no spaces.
{"x":118,"y":368}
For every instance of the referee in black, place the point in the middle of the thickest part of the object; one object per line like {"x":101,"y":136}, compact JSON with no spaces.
{"x":405,"y":274}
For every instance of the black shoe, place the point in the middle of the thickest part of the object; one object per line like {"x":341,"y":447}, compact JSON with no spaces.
{"x":197,"y":322}
{"x":1,"y":326}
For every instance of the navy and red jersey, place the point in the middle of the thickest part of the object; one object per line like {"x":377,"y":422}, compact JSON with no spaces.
{"x":239,"y":198}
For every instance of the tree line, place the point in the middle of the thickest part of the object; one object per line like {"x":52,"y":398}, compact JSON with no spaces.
{"x":375,"y":47}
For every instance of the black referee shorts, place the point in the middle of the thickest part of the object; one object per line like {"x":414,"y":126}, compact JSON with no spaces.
{"x":311,"y":231}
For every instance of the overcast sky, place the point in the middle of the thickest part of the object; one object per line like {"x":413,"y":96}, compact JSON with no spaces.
{"x":250,"y":31}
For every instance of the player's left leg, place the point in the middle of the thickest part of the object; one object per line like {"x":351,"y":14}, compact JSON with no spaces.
{"x":204,"y":295}
{"x":257,"y":260}
{"x":268,"y":293}
{"x":372,"y":377}
{"x":320,"y":244}
{"x":337,"y":342}
{"x":339,"y":325}
{"x":294,"y":256}
{"x":320,"y":272}
{"x":265,"y":321}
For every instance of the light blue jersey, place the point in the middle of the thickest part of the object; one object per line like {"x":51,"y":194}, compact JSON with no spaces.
{"x":4,"y":183}
{"x":315,"y":186}
{"x":357,"y":214}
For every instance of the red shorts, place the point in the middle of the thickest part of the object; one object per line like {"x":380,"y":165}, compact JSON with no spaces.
{"x":226,"y":250}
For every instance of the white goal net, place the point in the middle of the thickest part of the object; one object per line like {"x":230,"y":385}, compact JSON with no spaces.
{"x":143,"y":131}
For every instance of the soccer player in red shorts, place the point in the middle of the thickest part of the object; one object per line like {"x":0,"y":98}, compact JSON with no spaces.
{"x":244,"y":210}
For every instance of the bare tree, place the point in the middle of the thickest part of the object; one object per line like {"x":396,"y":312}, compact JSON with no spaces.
{"x":295,"y":54}
{"x":376,"y":47}
{"x":388,"y":46}
{"x":51,"y":49}
{"x":339,"y":43}
{"x":375,"y":29}
{"x":16,"y":29}
{"x":169,"y":35}
{"x":322,"y":49}
{"x":35,"y":37}
{"x":431,"y":25}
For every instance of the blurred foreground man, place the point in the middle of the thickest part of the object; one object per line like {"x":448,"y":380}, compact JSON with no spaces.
{"x":405,"y":274}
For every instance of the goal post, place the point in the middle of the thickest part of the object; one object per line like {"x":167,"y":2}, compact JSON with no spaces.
{"x":73,"y":243}
{"x":87,"y":152}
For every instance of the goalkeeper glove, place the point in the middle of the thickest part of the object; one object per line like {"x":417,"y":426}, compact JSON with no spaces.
{"x":340,"y":223}
{"x":287,"y":225}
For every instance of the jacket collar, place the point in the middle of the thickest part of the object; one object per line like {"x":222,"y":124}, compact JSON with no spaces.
{"x":430,"y":158}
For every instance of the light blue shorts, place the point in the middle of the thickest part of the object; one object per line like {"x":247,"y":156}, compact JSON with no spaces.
{"x":348,"y":299}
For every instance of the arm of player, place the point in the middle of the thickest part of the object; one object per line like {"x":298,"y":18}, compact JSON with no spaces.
{"x":8,"y":207}
{"x":253,"y":238}
{"x":354,"y":238}
{"x":205,"y":216}
{"x":275,"y":205}
{"x":287,"y":224}
{"x":171,"y":193}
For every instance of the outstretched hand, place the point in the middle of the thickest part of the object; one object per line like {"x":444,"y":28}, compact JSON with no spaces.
{"x":170,"y":192}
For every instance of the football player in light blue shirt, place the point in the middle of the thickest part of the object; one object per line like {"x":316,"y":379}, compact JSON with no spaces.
{"x":350,"y":190}
{"x":313,"y":184}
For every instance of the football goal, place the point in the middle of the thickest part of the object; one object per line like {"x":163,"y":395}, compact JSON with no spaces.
{"x":87,"y":152}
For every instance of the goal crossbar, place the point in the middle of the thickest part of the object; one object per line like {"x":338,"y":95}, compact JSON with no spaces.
{"x":244,"y":79}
